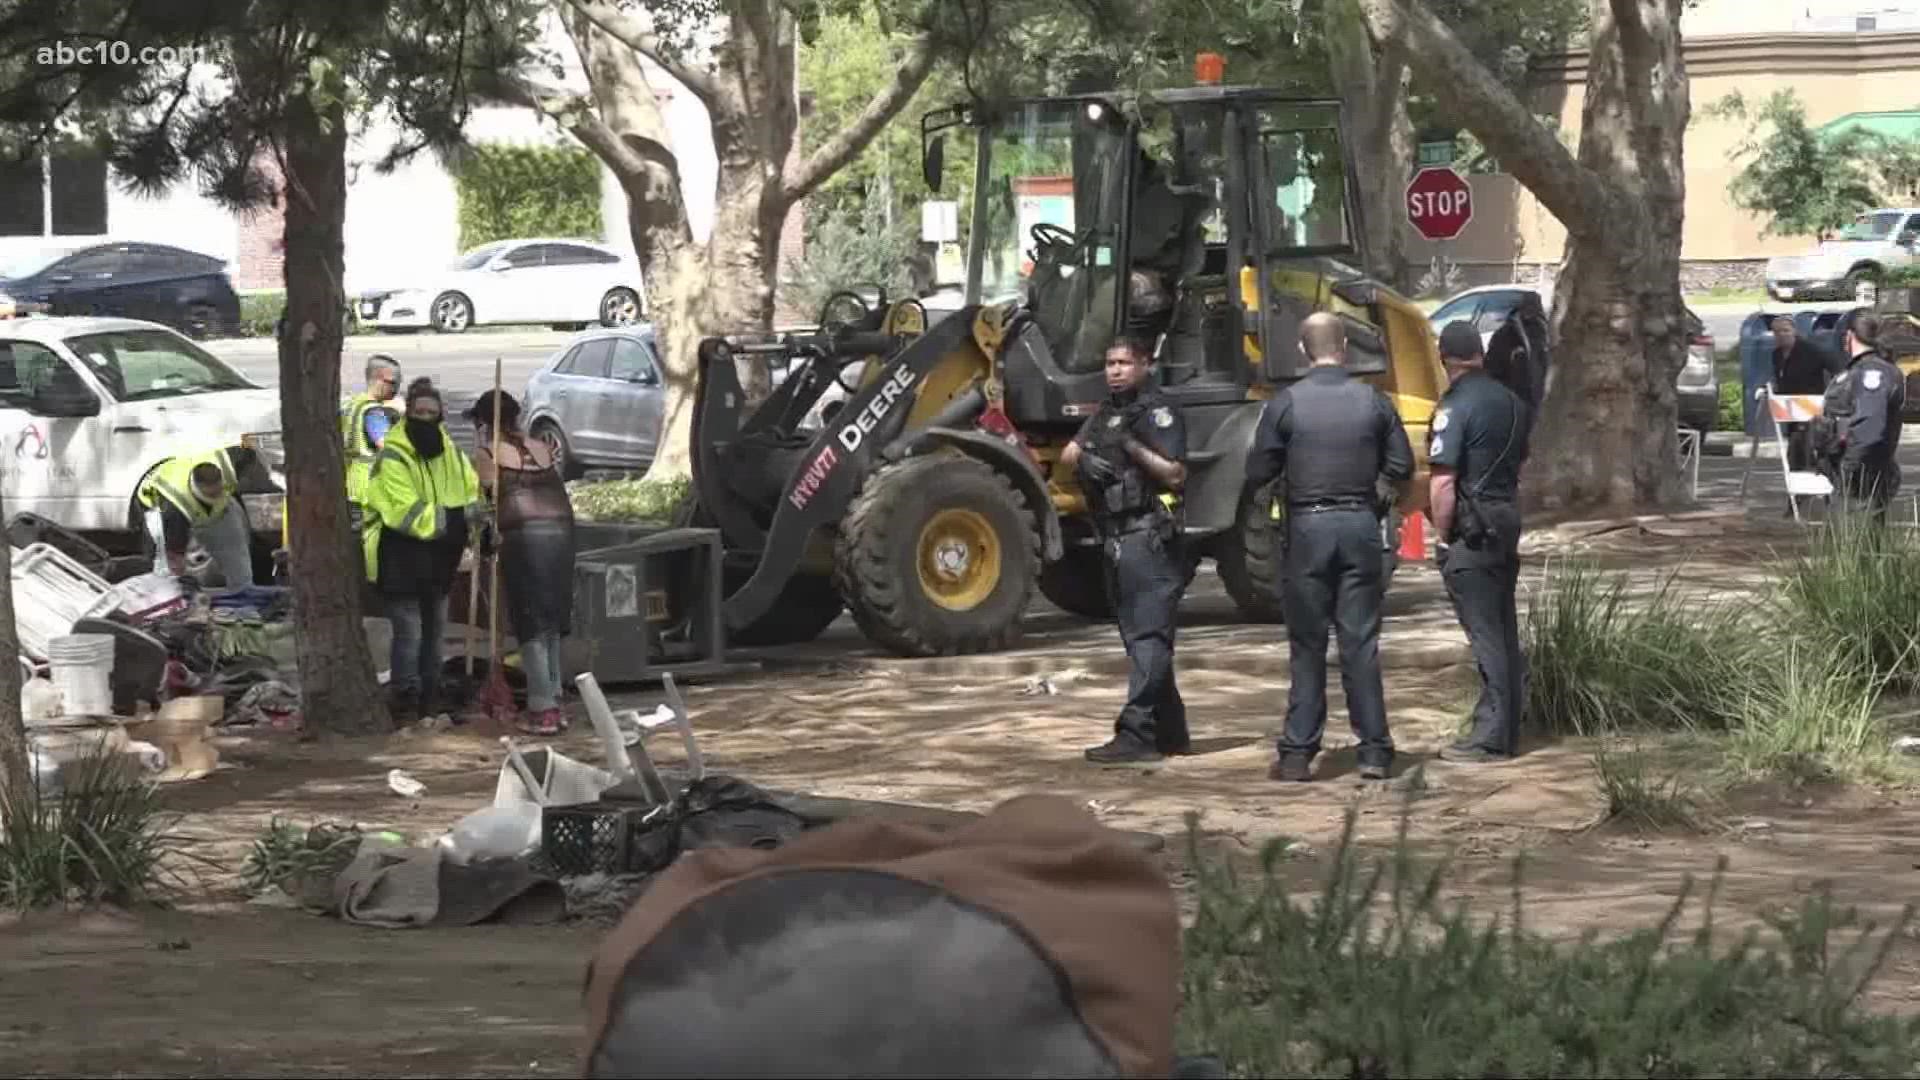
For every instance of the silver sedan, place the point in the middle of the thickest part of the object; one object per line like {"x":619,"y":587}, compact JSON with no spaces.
{"x":598,"y":401}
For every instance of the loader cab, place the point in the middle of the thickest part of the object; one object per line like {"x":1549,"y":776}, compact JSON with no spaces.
{"x":1208,"y":220}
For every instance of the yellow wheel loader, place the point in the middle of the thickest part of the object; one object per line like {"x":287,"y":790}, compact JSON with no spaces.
{"x":1208,"y":220}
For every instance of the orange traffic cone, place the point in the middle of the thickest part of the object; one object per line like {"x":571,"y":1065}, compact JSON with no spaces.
{"x":1413,"y":538}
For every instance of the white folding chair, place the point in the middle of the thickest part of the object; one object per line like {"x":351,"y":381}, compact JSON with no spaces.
{"x":1690,"y":460}
{"x":1789,"y":409}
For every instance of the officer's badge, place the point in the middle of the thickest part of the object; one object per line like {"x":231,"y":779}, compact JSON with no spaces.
{"x":1870,"y":380}
{"x":1438,"y":445}
{"x":1114,"y":420}
{"x":1163,"y":417}
{"x":1440,"y":420}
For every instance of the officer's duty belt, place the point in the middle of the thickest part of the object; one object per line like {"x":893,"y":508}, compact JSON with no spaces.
{"x":1328,"y":504}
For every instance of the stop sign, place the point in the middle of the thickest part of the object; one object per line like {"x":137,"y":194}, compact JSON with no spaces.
{"x":1439,"y":203}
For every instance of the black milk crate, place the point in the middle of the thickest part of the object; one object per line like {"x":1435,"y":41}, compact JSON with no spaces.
{"x":592,"y":838}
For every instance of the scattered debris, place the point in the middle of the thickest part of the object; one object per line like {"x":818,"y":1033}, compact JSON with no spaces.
{"x":404,"y":785}
{"x":1907,"y":744}
{"x":1039,"y":684}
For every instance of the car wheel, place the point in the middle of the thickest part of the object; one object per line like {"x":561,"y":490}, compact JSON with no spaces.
{"x":549,"y":432}
{"x":620,"y":307}
{"x":452,"y":313}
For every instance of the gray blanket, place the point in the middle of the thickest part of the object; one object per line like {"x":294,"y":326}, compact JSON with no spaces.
{"x":410,"y":888}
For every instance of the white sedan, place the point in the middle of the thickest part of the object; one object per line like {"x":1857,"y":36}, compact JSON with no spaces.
{"x":568,"y":283}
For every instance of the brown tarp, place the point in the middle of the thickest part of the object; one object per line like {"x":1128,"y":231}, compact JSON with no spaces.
{"x":1100,"y":908}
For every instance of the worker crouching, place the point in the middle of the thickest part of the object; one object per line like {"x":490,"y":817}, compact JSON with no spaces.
{"x":422,"y":497}
{"x":191,"y":498}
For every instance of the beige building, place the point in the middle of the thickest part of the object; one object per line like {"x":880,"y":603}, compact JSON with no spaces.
{"x":1787,"y":44}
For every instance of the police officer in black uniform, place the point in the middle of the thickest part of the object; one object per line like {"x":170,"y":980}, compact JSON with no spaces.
{"x":1477,"y":443}
{"x":1344,"y":456}
{"x":1859,"y":432}
{"x":1130,"y":458}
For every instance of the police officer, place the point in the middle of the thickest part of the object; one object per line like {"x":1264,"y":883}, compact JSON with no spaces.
{"x":1130,"y":459}
{"x":1861,"y":421}
{"x":1477,"y":443}
{"x":1342,"y":452}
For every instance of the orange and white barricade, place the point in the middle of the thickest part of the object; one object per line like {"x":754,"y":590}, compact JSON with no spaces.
{"x":1788,"y":409}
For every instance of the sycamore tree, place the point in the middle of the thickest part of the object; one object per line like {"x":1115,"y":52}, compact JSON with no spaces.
{"x":254,"y":102}
{"x":1606,"y":434}
{"x":739,"y":58}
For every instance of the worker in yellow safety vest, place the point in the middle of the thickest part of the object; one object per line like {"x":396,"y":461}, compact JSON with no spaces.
{"x":422,"y":498}
{"x":364,"y":422}
{"x":196,"y":497}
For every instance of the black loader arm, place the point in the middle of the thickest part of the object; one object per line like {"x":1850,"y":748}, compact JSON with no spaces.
{"x":828,"y":475}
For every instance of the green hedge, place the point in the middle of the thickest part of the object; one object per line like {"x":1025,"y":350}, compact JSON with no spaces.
{"x":507,"y":192}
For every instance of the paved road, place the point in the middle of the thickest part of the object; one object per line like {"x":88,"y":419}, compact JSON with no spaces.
{"x":461,"y":363}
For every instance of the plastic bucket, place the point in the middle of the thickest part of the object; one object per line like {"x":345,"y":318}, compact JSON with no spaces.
{"x":82,"y":669}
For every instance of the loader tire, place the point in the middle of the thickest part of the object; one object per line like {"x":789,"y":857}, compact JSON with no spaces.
{"x":938,"y":556}
{"x":1077,"y":584}
{"x":1251,"y":561}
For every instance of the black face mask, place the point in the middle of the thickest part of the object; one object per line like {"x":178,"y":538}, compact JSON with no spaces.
{"x":425,"y":437}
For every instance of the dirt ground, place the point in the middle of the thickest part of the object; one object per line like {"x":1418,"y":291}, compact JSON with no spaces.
{"x":224,"y":987}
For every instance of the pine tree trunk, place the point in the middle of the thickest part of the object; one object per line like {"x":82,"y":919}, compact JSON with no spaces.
{"x":15,"y":775}
{"x":338,"y":691}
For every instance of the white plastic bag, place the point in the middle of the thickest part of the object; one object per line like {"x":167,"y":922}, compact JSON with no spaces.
{"x":39,"y":702}
{"x":493,"y":832}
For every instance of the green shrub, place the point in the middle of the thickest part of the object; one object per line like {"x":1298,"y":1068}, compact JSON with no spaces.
{"x":848,"y":250}
{"x":642,"y":501}
{"x":1732,"y":415}
{"x":506,"y":192}
{"x":1646,"y":795}
{"x":103,"y":840}
{"x":1376,"y":977}
{"x":260,"y":313}
{"x":1854,"y":595}
{"x":1601,"y":661}
{"x":1807,"y":714}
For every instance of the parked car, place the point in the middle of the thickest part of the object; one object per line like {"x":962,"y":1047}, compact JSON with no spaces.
{"x":172,"y":286}
{"x":597,"y":402}
{"x":1489,"y":306}
{"x":90,"y":406}
{"x":1878,"y":241}
{"x":566,"y":283}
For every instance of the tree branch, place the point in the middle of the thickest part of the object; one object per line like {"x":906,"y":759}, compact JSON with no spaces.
{"x":574,"y":114}
{"x":1467,"y":91}
{"x":635,"y":35}
{"x":885,"y":105}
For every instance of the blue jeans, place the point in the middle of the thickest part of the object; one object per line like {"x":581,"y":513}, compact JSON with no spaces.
{"x":419,"y":639}
{"x":540,"y":662}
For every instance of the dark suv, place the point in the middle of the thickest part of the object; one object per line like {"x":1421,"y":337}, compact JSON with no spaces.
{"x":182,"y":289}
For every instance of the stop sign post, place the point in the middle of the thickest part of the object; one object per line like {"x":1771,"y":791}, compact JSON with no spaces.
{"x":1439,"y":203}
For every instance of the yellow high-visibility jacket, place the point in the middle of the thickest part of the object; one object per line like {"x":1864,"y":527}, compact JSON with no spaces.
{"x":173,"y":483}
{"x":411,"y":496}
{"x":353,"y":436}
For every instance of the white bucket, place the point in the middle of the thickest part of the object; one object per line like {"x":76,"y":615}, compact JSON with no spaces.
{"x":81,"y":666}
